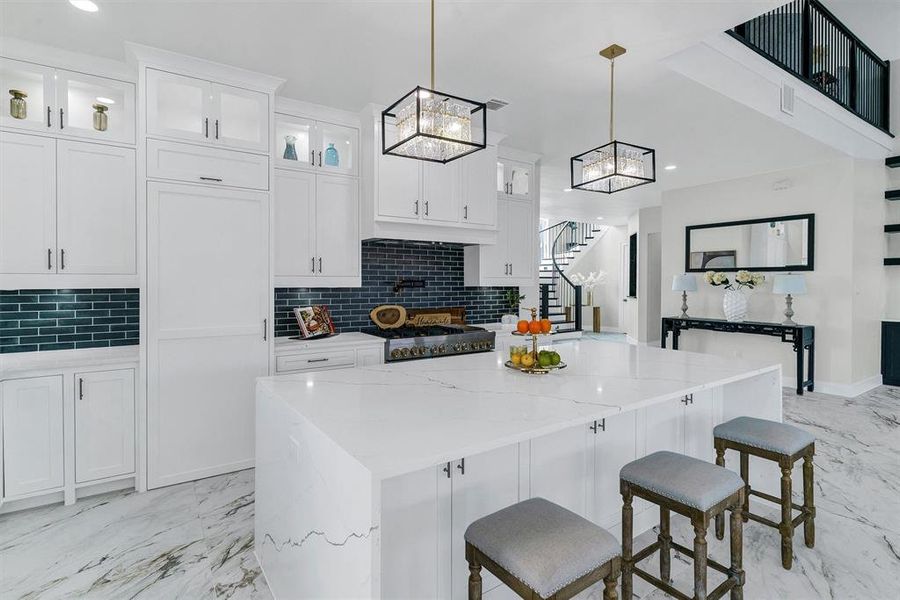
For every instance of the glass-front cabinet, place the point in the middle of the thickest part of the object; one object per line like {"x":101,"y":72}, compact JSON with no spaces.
{"x":308,"y":144}
{"x":65,"y":102}
{"x":514,"y":179}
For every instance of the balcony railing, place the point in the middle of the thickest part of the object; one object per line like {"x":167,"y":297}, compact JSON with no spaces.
{"x":809,"y":42}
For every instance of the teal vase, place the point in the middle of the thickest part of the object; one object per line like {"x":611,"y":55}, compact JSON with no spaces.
{"x":331,"y":156}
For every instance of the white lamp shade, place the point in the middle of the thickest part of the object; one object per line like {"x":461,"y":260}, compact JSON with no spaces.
{"x":684,"y":283}
{"x":789,"y":284}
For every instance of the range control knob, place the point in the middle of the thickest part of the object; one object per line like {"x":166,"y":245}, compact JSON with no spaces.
{"x":442,"y":349}
{"x":395,"y":353}
{"x":404,"y":352}
{"x":435,"y":349}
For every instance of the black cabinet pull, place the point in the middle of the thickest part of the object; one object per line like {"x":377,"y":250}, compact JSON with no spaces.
{"x":217,"y":129}
{"x":206,"y":127}
{"x":447,"y":470}
{"x":62,"y":259}
{"x":210,"y":179}
{"x":465,"y":211}
{"x":320,"y":158}
{"x":313,"y":264}
{"x":320,"y":264}
{"x":61,"y":124}
{"x":462,"y":466}
{"x":265,"y":329}
{"x":48,"y":116}
{"x":81,"y":388}
{"x":426,"y":208}
{"x":316,"y":360}
{"x":49,"y":259}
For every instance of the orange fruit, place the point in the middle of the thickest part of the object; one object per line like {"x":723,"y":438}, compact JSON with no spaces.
{"x":522,"y":326}
{"x":546,"y":325}
{"x":534,"y":327}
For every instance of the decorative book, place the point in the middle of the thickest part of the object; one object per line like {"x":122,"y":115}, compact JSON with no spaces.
{"x":314,"y":321}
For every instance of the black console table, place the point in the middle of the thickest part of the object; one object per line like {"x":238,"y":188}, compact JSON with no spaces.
{"x":802,"y":337}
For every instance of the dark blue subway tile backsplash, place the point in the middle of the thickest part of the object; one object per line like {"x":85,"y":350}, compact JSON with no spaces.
{"x":383,"y":262}
{"x":38,"y":320}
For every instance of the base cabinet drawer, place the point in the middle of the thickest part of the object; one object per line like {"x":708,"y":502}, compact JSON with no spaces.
{"x":32,"y":435}
{"x":199,"y":164}
{"x":104,"y":424}
{"x":315,"y":361}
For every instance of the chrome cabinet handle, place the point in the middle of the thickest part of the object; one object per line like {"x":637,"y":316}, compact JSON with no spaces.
{"x":465,"y":211}
{"x":62,"y":258}
{"x":61,"y":124}
{"x":217,"y":129}
{"x":49,"y":259}
{"x":320,"y":264}
{"x":206,"y":127}
{"x":211,"y":179}
{"x":48,"y":116}
{"x":81,"y":388}
{"x":426,"y":208}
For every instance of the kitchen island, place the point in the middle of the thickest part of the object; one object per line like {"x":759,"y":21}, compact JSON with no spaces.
{"x":367,"y":478}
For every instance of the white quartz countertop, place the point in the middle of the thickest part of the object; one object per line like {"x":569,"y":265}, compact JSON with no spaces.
{"x":288,"y":345}
{"x":18,"y":364}
{"x":401,"y":417}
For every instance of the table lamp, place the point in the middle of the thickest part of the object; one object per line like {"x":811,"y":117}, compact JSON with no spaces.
{"x":684,"y":283}
{"x":791,"y":285}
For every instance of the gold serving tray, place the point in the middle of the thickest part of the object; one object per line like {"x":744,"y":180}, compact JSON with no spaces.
{"x":535,"y":370}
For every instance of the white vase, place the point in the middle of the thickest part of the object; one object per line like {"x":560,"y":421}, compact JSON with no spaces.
{"x":735,"y":303}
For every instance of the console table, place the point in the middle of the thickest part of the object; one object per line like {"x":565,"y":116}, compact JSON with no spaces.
{"x":802,"y":337}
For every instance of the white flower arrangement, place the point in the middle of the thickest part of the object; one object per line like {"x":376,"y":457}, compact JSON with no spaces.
{"x":590,"y":281}
{"x":742,"y":279}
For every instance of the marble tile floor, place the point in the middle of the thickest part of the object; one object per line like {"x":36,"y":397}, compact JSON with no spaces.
{"x":195,"y":540}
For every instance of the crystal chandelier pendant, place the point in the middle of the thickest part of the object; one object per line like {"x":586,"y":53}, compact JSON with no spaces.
{"x":426,"y":124}
{"x":614,"y":166}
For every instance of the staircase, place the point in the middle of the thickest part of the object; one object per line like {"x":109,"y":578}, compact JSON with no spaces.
{"x":560,"y":245}
{"x":892,"y":162}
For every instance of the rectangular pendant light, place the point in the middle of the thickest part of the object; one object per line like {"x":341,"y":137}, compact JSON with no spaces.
{"x":613,"y":167}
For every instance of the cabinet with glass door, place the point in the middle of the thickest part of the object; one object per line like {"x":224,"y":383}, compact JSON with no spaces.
{"x":304,"y":143}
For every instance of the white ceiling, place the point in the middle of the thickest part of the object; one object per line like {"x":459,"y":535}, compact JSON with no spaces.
{"x":540,"y":56}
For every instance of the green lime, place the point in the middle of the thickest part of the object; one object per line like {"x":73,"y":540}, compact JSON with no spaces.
{"x":546,"y":360}
{"x":554,"y":358}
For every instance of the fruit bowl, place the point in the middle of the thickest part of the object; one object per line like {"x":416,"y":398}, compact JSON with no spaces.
{"x":536,"y":369}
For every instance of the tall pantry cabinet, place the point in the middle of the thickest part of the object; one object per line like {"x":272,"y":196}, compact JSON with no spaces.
{"x":205,"y":132}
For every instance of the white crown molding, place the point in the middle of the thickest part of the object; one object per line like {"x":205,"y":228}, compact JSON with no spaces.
{"x":301,"y":108}
{"x":51,"y":56}
{"x":148,"y":56}
{"x":516,"y":154}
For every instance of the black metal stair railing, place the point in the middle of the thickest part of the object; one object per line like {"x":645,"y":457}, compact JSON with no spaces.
{"x":809,"y":42}
{"x":560,"y":243}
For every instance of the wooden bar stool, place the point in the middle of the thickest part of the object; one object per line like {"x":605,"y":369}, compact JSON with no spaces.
{"x":540,"y":550}
{"x":785,"y":445}
{"x":698,"y":490}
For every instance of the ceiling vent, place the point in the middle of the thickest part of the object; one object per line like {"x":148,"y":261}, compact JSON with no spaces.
{"x":495,"y":104}
{"x":787,"y":99}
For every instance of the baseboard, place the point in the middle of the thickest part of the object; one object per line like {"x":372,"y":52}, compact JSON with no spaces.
{"x":610,"y":330}
{"x":845,"y":390}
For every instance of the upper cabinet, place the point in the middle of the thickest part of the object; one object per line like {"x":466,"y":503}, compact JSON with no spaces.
{"x":514,"y":179}
{"x":305,"y":143}
{"x":66,"y":102}
{"x":197,"y":110}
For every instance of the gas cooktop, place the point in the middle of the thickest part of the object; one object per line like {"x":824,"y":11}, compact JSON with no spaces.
{"x":429,"y":341}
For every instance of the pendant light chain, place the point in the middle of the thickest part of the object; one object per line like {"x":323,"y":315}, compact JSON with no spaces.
{"x":612,"y":98}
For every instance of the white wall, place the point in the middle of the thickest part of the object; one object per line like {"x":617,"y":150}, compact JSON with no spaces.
{"x":846,"y":289}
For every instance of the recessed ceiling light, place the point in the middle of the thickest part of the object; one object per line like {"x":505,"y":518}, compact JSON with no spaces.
{"x":105,"y":100}
{"x":85,"y":5}
{"x":599,"y":218}
{"x":670,"y":167}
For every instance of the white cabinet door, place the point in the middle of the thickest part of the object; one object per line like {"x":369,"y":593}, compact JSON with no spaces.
{"x":369,"y":357}
{"x":36,"y":82}
{"x":664,"y":427}
{"x":337,"y":226}
{"x":488,"y":482}
{"x":27,"y":204}
{"x":522,"y":234}
{"x":615,"y":445}
{"x":518,"y":175}
{"x":495,"y":257}
{"x":399,"y":188}
{"x":32,"y":435}
{"x":78,"y":97}
{"x":201,"y":164}
{"x":561,"y":468}
{"x":479,"y":199}
{"x":208,"y":299}
{"x":440,"y":192}
{"x":337,"y":148}
{"x":104,"y":424}
{"x":96,"y":224}
{"x":178,"y":106}
{"x":294,"y":223}
{"x":416,"y":507}
{"x":698,"y":426}
{"x":295,"y":142}
{"x":240,"y":118}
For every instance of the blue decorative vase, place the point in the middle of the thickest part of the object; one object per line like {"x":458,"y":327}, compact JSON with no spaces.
{"x":290,"y":151}
{"x":331,"y":156}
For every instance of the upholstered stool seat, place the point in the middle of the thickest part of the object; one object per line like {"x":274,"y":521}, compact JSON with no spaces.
{"x":785,"y":445}
{"x":692,"y":482}
{"x":541,"y":549}
{"x":765,"y":435}
{"x":698,"y":490}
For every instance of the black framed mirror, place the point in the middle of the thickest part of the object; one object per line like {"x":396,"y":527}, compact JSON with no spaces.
{"x":771,"y":244}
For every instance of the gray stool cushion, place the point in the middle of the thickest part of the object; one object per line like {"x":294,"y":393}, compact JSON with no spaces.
{"x":687,"y":480}
{"x":542,"y":544}
{"x":765,"y":435}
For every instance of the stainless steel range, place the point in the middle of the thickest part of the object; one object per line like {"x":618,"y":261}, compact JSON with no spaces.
{"x":421,"y":337}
